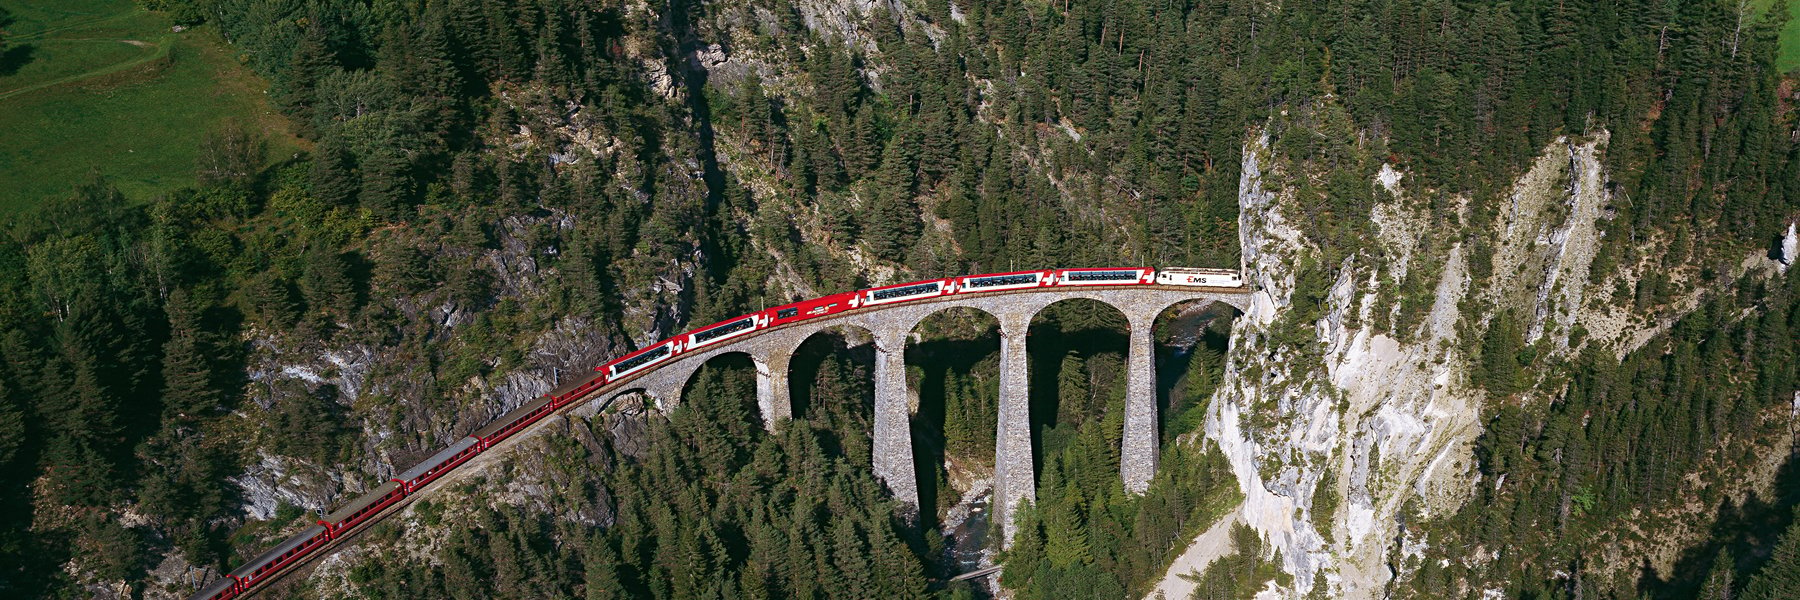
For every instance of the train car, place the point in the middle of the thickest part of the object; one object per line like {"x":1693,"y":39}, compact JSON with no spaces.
{"x":574,"y":391}
{"x":724,"y":330}
{"x":809,"y":309}
{"x":350,"y":515}
{"x":1003,"y":281}
{"x":511,"y":422}
{"x":640,"y":360}
{"x":440,"y":463}
{"x":1118,"y":276}
{"x":279,"y":557}
{"x":223,"y":588}
{"x":1199,"y":277}
{"x":905,"y":292}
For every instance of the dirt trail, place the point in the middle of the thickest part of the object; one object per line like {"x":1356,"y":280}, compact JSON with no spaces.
{"x":1208,"y":547}
{"x":161,"y":48}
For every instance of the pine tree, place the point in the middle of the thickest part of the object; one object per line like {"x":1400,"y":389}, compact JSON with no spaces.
{"x":332,"y":178}
{"x":387,"y":183}
{"x":754,"y":109}
{"x":188,"y":381}
{"x":1718,"y":582}
{"x":312,"y":60}
{"x":271,"y":299}
{"x":399,"y":269}
{"x":1780,"y":577}
{"x":12,"y":426}
{"x":860,"y":144}
{"x":893,"y":223}
{"x":325,"y":283}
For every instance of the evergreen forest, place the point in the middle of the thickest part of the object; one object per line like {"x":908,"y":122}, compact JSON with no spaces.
{"x":489,"y":196}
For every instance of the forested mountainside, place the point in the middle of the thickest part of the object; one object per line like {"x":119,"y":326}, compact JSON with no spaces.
{"x":1524,"y":325}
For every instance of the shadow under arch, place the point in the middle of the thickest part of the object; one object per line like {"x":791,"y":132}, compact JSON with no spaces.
{"x":723,"y":385}
{"x":951,"y":359}
{"x":1093,"y":338}
{"x":1192,"y":338}
{"x":831,"y":380}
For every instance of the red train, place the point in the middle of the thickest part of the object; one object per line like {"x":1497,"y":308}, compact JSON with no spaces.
{"x":349,"y":517}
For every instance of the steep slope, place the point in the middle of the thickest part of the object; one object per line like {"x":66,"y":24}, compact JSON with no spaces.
{"x":1375,"y":424}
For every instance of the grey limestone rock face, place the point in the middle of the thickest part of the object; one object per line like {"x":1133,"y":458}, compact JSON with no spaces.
{"x":1790,"y":247}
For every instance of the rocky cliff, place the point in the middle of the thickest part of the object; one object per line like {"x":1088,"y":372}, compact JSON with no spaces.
{"x":1346,"y":429}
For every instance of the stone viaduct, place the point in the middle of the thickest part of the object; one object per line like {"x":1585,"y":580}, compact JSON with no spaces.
{"x":891,"y":325}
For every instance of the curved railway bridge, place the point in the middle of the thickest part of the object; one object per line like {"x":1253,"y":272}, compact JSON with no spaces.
{"x":771,"y":343}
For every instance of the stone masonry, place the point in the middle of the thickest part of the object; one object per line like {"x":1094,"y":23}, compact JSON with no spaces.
{"x":891,"y":325}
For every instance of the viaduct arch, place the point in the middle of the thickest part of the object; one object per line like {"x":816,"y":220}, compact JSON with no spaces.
{"x":1015,"y":478}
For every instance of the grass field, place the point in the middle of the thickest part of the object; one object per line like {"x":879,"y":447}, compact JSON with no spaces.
{"x":102,"y":86}
{"x":1790,"y":40}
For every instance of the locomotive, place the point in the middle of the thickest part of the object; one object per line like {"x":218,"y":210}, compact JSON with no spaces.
{"x":348,"y":518}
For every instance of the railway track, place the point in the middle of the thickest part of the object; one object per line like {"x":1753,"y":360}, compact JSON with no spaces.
{"x":601,"y":388}
{"x":480,"y":463}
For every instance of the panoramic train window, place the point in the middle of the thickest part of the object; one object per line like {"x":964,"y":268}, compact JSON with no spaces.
{"x":733,"y":327}
{"x":641,"y":359}
{"x":911,"y":290}
{"x":1002,"y":280}
{"x":1102,"y":275}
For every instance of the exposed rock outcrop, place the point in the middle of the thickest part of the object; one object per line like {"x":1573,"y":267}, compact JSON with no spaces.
{"x":1387,"y":418}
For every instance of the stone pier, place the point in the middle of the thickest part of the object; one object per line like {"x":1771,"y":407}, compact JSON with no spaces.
{"x":893,"y":421}
{"x":1015,"y":478}
{"x":772,"y":397}
{"x":1139,"y":452}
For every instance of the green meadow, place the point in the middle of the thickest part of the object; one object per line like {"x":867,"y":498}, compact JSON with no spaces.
{"x":1790,"y":40}
{"x":104,"y":87}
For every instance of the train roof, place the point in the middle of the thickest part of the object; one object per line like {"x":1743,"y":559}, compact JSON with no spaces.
{"x":1200,"y":270}
{"x":436,"y":459}
{"x":304,"y":536}
{"x":659,"y":343}
{"x":509,"y":417}
{"x":718,"y":324}
{"x":826,"y":299}
{"x":564,"y":389}
{"x":981,"y":275}
{"x":375,"y":495}
{"x":213,"y":589}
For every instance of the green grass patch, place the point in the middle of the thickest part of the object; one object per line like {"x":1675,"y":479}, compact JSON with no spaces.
{"x":1788,"y":58}
{"x":103,"y":86}
{"x":1790,"y":40}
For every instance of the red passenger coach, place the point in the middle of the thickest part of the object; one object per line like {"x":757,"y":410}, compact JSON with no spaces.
{"x":223,"y":588}
{"x":724,"y":330}
{"x":278,"y":558}
{"x":571,"y":392}
{"x":640,"y":360}
{"x":995,"y":282}
{"x":510,"y":423}
{"x":808,"y":309}
{"x":905,"y":292}
{"x":354,"y":513}
{"x":1116,"y":276}
{"x":440,"y":463}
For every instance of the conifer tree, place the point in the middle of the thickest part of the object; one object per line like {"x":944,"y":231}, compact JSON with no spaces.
{"x":1780,"y":577}
{"x":188,"y":380}
{"x":332,"y":178}
{"x":325,"y":283}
